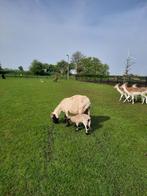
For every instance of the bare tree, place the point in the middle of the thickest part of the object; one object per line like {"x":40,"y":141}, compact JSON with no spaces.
{"x":129,"y":62}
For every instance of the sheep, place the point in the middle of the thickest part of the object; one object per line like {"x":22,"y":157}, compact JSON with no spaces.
{"x":81,"y":118}
{"x":77,"y":104}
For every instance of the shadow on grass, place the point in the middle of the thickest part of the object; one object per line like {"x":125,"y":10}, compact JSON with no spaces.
{"x":97,"y":122}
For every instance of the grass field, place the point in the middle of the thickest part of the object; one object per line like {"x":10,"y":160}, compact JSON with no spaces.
{"x":38,"y":157}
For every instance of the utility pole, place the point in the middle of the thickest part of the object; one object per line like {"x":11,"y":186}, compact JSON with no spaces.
{"x":68,"y":67}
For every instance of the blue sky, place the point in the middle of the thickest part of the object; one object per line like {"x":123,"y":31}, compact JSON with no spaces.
{"x":47,"y":30}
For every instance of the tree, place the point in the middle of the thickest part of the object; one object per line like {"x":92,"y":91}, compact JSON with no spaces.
{"x":104,"y":71}
{"x":92,"y":65}
{"x":37,"y":68}
{"x":1,"y":70}
{"x":129,"y":63}
{"x":76,"y":58}
{"x":50,"y":68}
{"x":21,"y":68}
{"x":61,"y":67}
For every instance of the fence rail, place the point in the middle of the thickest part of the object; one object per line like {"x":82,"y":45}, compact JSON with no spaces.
{"x":112,"y":79}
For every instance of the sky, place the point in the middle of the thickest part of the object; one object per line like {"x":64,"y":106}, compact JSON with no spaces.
{"x":48,"y":30}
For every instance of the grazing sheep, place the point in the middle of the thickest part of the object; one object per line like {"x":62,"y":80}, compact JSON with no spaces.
{"x":77,"y":104}
{"x":81,"y":118}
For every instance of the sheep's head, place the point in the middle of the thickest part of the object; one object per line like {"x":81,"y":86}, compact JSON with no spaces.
{"x":54,"y":118}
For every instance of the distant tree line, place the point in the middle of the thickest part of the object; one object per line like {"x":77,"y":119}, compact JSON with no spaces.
{"x":80,"y":63}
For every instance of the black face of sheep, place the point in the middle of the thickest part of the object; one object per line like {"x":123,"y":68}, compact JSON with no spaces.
{"x":54,"y":118}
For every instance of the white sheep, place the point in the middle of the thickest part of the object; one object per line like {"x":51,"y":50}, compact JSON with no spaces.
{"x":81,"y":118}
{"x":77,"y":104}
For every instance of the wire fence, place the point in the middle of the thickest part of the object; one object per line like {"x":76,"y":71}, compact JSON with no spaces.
{"x":113,"y":79}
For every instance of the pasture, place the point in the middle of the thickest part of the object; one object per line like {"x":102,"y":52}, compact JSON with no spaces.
{"x":38,"y":157}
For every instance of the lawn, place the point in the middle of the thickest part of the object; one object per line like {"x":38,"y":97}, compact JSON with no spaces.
{"x":38,"y":157}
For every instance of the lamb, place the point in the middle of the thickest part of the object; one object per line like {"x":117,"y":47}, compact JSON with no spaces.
{"x":81,"y":118}
{"x":77,"y":104}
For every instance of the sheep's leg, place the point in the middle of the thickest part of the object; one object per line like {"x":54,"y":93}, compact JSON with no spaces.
{"x":87,"y":111}
{"x":66,"y":117}
{"x":86,"y":127}
{"x":87,"y":132}
{"x":89,"y":124}
{"x":77,"y":126}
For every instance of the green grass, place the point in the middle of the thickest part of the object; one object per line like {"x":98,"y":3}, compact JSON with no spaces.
{"x":38,"y":157}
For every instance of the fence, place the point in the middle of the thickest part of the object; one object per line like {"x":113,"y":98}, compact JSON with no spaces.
{"x":112,"y":79}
